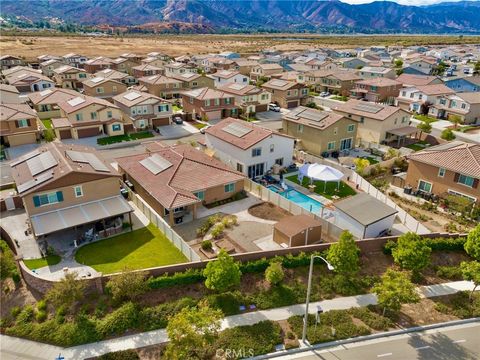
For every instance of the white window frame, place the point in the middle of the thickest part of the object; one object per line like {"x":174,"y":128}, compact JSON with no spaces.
{"x":426,"y":182}
{"x":351,"y":126}
{"x":78,"y":187}
{"x":441,"y":172}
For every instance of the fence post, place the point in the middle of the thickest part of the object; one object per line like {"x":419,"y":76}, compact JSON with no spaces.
{"x":418,"y":224}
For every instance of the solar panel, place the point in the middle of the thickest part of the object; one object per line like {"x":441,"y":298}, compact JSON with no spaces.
{"x":370,"y":108}
{"x":76,"y":101}
{"x":279,"y":83}
{"x":97,"y":164}
{"x":25,"y":157}
{"x":37,"y":181}
{"x":156,"y":164}
{"x":237,"y":130}
{"x":313,"y":115}
{"x":132,"y":96}
{"x":97,"y":79}
{"x":42,"y":162}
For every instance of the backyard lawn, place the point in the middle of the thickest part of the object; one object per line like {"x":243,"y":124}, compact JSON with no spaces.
{"x":420,"y":145}
{"x":331,"y":188}
{"x":139,"y":249}
{"x":47,"y":123}
{"x":127,"y":137}
{"x":371,"y":160}
{"x":39,"y":263}
{"x":176,"y":108}
{"x":425,"y":118}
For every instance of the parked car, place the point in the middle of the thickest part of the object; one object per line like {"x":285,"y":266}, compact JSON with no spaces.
{"x":324,"y":94}
{"x":178,"y":120}
{"x":273,"y":107}
{"x":202,"y":130}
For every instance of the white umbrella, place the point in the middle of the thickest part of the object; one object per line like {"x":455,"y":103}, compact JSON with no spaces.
{"x":321,"y":172}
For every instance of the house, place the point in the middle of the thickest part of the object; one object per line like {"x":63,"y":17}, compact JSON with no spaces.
{"x":9,"y":94}
{"x":352,"y":63}
{"x":297,"y":230}
{"x":229,"y":55}
{"x":103,"y":88}
{"x":46,"y":102}
{"x":369,"y":72}
{"x":334,"y":82}
{"x":364,"y":216}
{"x":144,"y":109}
{"x":85,"y":116}
{"x":47,"y":67}
{"x":112,"y":74}
{"x":99,"y":63}
{"x":154,"y":61}
{"x":70,"y":77}
{"x":132,"y":57}
{"x":377,"y":123}
{"x":286,"y":94}
{"x":465,"y":105}
{"x":190,"y":81}
{"x":28,"y":81}
{"x":124,"y":65}
{"x":318,"y":64}
{"x":249,"y":98}
{"x":223,"y":77}
{"x":176,"y":180}
{"x":319,"y":132}
{"x":146,"y":70}
{"x":423,"y":64}
{"x":410,"y":80}
{"x":248,"y":148}
{"x":376,"y":90}
{"x":245,"y":66}
{"x":213,"y":64}
{"x":463,"y":83}
{"x":18,"y":124}
{"x":69,"y":187}
{"x":211,"y":104}
{"x":451,"y":168}
{"x":265,"y":71}
{"x":177,"y":68}
{"x":9,"y":61}
{"x":413,"y":98}
{"x":162,"y":86}
{"x":75,"y":60}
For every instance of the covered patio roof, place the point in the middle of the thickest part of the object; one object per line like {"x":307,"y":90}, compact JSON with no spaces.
{"x":85,"y":213}
{"x":404,"y":131}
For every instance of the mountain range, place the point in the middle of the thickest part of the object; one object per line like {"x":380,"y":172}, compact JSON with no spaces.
{"x":258,"y":15}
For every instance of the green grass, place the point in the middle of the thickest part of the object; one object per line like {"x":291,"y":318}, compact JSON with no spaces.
{"x":39,"y":263}
{"x":139,"y":249}
{"x":176,"y":108}
{"x":331,"y":188}
{"x":425,"y":118}
{"x":47,"y":123}
{"x":119,"y":138}
{"x":372,"y":160}
{"x":339,"y":98}
{"x":199,"y":125}
{"x":420,"y":145}
{"x":466,"y":128}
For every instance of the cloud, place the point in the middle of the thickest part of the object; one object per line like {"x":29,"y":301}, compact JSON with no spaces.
{"x":403,"y":2}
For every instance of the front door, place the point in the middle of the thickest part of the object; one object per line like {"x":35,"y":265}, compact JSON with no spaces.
{"x":346,"y":144}
{"x":256,"y":170}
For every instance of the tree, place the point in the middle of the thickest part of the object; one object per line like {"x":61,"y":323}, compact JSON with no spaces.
{"x":472,"y":245}
{"x":129,"y":285}
{"x":7,"y":261}
{"x":395,"y":289}
{"x":361,"y":164}
{"x":398,"y":63}
{"x":424,"y":127}
{"x":448,"y":135}
{"x":66,"y":292}
{"x":48,"y":135}
{"x":274,"y":273}
{"x":223,"y":273}
{"x":344,"y":254}
{"x":471,"y":272}
{"x":411,"y":252}
{"x":456,"y":120}
{"x":192,"y":332}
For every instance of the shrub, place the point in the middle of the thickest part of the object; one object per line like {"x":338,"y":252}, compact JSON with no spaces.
{"x":66,"y":292}
{"x":228,"y":302}
{"x":222,"y":273}
{"x":206,"y":245}
{"x":411,"y":252}
{"x":41,"y":315}
{"x":211,"y":220}
{"x":189,"y":276}
{"x":371,"y":319}
{"x":436,"y":244}
{"x":119,"y":321}
{"x":156,"y":317}
{"x":274,"y":273}
{"x":127,"y":286}
{"x":120,"y":355}
{"x":26,"y":315}
{"x":7,"y":261}
{"x":278,"y":296}
{"x":41,"y":305}
{"x":217,"y":230}
{"x":14,"y":311}
{"x":449,"y":272}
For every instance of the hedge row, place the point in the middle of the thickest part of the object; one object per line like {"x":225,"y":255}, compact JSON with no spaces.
{"x":436,"y":244}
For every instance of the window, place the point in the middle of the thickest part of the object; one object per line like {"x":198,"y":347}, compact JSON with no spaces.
{"x":441,"y":172}
{"x":207,"y":102}
{"x":217,"y":102}
{"x":464,"y":106}
{"x":116,"y":127}
{"x":331,"y":145}
{"x":272,"y":148}
{"x":194,"y":83}
{"x":300,"y":128}
{"x":163,"y":108}
{"x":46,"y":199}
{"x":228,"y":101}
{"x":99,"y":90}
{"x":78,"y":191}
{"x":465,"y":180}
{"x":79,"y":117}
{"x":22,"y":123}
{"x":93,"y":115}
{"x":200,"y":195}
{"x":114,"y":88}
{"x":82,"y":75}
{"x":425,"y":186}
{"x":279,"y":161}
{"x":230,"y":188}
{"x":404,"y":93}
{"x":109,"y":114}
{"x":351,"y":128}
{"x":256,"y":152}
{"x":240,"y":167}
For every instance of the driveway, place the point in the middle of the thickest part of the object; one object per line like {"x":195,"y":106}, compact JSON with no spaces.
{"x":17,"y":151}
{"x":176,"y":131}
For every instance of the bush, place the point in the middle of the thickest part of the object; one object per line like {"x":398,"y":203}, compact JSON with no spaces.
{"x":41,"y":315}
{"x":274,"y":273}
{"x":14,"y":311}
{"x":152,"y":318}
{"x":211,"y":220}
{"x":189,"y":276}
{"x":371,"y":319}
{"x":217,"y":230}
{"x":207,"y":245}
{"x":120,"y":355}
{"x":278,"y":296}
{"x":127,"y":286}
{"x":119,"y":321}
{"x":436,"y":244}
{"x":449,"y":272}
{"x":41,"y":305}
{"x":228,"y":302}
{"x":26,"y":315}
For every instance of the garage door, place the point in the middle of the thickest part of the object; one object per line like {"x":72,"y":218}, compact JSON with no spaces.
{"x":292,"y":104}
{"x":160,"y":122}
{"x":88,"y":132}
{"x":22,"y":139}
{"x":65,"y":134}
{"x":261,"y":108}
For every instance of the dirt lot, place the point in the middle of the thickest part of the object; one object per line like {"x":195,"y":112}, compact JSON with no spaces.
{"x":175,"y":45}
{"x":268,"y":211}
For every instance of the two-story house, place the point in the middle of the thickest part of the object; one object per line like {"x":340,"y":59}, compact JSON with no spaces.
{"x":48,"y":67}
{"x":146,"y":70}
{"x":125,"y":65}
{"x":28,"y":80}
{"x":369,"y":72}
{"x":46,"y":102}
{"x":69,"y":187}
{"x":9,"y":61}
{"x":103,"y":88}
{"x":265,"y":71}
{"x":335,"y":82}
{"x":422,"y":65}
{"x":112,"y":74}
{"x":245,"y":66}
{"x":99,"y":63}
{"x":286,"y":94}
{"x":162,"y":86}
{"x":413,"y":98}
{"x":377,"y":123}
{"x":70,"y":77}
{"x":248,"y":148}
{"x":212,"y":64}
{"x":9,"y":94}
{"x":249,"y":98}
{"x":376,"y":90}
{"x":145,"y":110}
{"x":209,"y":104}
{"x":158,"y":62}
{"x":412,"y":80}
{"x":464,"y":105}
{"x":223,"y":77}
{"x":75,"y":60}
{"x":177,"y":68}
{"x":319,"y":132}
{"x":190,"y":81}
{"x":18,"y":124}
{"x":452,"y":168}
{"x":463,"y":83}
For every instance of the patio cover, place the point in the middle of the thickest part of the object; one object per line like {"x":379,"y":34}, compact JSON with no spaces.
{"x":321,"y":172}
{"x":404,"y":131}
{"x":69,"y":217}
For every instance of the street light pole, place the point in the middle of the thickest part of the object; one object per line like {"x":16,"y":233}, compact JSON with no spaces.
{"x":309,"y":289}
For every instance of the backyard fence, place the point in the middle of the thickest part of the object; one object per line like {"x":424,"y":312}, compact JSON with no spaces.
{"x":164,"y":227}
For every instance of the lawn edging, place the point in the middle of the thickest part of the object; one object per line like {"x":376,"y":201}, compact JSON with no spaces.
{"x":366,"y":337}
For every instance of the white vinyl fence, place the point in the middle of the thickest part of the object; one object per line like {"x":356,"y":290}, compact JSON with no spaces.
{"x":164,"y":227}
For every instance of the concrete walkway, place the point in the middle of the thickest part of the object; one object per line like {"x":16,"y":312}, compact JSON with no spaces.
{"x":15,"y":348}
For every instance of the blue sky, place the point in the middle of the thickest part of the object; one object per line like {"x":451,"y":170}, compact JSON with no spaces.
{"x":403,"y":2}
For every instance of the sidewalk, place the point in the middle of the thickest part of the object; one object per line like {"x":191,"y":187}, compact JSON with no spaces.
{"x":15,"y":348}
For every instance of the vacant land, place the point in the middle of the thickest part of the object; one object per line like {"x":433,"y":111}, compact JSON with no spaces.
{"x":32,"y":46}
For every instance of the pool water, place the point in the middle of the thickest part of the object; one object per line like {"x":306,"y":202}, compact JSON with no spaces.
{"x":298,"y":198}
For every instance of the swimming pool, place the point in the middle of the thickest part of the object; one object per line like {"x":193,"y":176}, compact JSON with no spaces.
{"x":302,"y":200}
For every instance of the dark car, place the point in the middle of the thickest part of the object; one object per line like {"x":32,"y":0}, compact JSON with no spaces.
{"x":178,"y":120}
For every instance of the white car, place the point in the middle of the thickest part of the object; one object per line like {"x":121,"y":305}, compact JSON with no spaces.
{"x":324,"y":94}
{"x":274,"y":107}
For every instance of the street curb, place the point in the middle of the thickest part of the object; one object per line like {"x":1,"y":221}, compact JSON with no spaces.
{"x":366,"y":337}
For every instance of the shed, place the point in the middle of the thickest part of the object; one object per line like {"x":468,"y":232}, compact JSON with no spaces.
{"x":297,"y":230}
{"x":364,"y":216}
